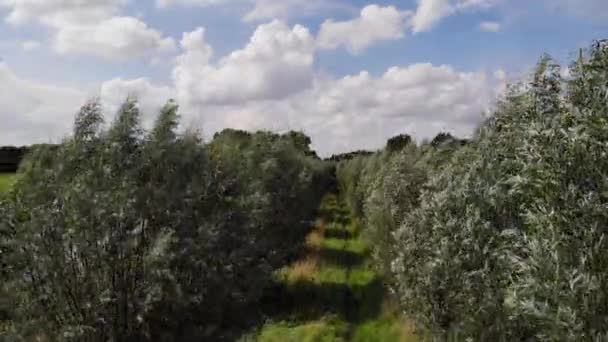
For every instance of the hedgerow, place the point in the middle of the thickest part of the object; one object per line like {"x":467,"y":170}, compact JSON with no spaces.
{"x":503,"y":237}
{"x":124,"y":234}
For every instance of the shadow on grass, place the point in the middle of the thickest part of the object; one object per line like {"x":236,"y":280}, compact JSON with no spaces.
{"x":341,"y":257}
{"x":335,"y":233}
{"x":335,"y":213}
{"x":306,"y":300}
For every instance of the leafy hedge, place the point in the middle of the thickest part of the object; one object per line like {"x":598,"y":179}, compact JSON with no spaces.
{"x":501,"y":238}
{"x":128,"y":235}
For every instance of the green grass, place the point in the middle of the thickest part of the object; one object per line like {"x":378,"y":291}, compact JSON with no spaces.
{"x":6,"y":181}
{"x":356,"y":246}
{"x":334,"y":292}
{"x":390,"y":327}
{"x":325,"y":330}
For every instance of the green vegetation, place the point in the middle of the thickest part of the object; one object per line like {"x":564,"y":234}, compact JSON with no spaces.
{"x":324,"y":330}
{"x":127,"y":235}
{"x":333,"y":293}
{"x":503,"y":237}
{"x":6,"y":181}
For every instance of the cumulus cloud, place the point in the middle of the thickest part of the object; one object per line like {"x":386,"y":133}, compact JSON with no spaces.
{"x":90,"y":27}
{"x":263,"y":10}
{"x":340,"y":114}
{"x":430,"y":12}
{"x":201,"y":3}
{"x":273,"y":9}
{"x":33,"y":112}
{"x":116,"y":38}
{"x":374,"y":24}
{"x":36,"y":112}
{"x":270,"y":83}
{"x":489,"y":26}
{"x":361,"y":111}
{"x":276,"y":62}
{"x":151,"y":97}
{"x":58,"y":12}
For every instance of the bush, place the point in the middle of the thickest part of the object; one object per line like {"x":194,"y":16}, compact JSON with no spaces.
{"x":127,"y":235}
{"x":505,"y":241}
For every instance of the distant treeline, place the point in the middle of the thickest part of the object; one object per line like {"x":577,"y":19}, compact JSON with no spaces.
{"x":399,"y":142}
{"x":11,"y":156}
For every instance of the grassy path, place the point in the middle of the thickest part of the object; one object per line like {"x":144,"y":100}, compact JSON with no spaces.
{"x":332,"y":294}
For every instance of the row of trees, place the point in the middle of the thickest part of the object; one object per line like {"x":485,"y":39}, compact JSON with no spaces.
{"x":10,"y":157}
{"x":122,"y":234}
{"x":504,"y":237}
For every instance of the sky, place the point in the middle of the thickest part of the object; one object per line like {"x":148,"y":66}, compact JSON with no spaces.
{"x":349,"y":73}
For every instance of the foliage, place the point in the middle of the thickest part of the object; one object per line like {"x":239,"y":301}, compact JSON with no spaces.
{"x":383,"y":188}
{"x":128,"y":235}
{"x":503,"y":237}
{"x":318,"y":331}
{"x":398,"y":143}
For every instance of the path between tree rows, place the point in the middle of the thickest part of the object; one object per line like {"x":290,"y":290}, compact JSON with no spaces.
{"x":332,"y":294}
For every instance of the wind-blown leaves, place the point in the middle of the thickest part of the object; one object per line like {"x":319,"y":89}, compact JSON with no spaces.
{"x":504,"y":239}
{"x":128,"y":235}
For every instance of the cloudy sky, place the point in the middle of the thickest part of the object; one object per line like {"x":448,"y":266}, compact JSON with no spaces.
{"x":350,"y":73}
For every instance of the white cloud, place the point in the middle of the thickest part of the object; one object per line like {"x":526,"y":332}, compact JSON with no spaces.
{"x":361,"y":111}
{"x":374,"y":24}
{"x":275,"y":63}
{"x":57,"y":12}
{"x":116,"y":38}
{"x":90,"y":27}
{"x":201,"y":3}
{"x":270,"y":83}
{"x":430,"y":12}
{"x":151,"y":97}
{"x":354,"y":112}
{"x":30,"y":45}
{"x":33,"y":112}
{"x":283,"y":9}
{"x":263,"y":10}
{"x":489,"y":26}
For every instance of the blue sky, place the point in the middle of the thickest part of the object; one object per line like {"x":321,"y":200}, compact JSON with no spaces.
{"x":348,"y":79}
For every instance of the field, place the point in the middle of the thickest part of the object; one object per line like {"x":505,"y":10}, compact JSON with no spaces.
{"x":6,"y":179}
